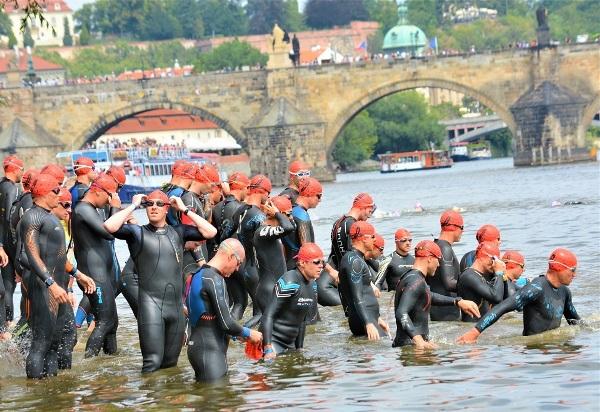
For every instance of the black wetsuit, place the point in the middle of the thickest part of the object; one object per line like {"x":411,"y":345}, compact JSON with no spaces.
{"x":250,"y":220}
{"x":327,"y":290}
{"x":270,"y":257}
{"x":291,"y":194}
{"x":304,"y":233}
{"x":173,"y":215}
{"x":444,"y":282}
{"x":293,"y":302}
{"x":9,"y":192}
{"x":542,"y":304}
{"x":357,"y":295}
{"x":94,"y":252}
{"x":44,"y":246}
{"x":340,"y":239}
{"x":195,"y":203}
{"x":412,"y":303}
{"x":473,"y":286}
{"x":211,"y":324}
{"x":467,"y":260}
{"x":78,"y":190}
{"x":392,"y":269}
{"x":511,"y":287}
{"x":158,"y":257}
{"x":129,"y":285}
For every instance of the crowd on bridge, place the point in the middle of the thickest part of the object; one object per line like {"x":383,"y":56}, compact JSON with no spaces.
{"x":212,"y":248}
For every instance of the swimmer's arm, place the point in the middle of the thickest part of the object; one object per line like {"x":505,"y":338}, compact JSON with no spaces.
{"x":7,"y":200}
{"x":570,"y":313}
{"x":90,"y":218}
{"x":446,"y":272}
{"x":442,"y":300}
{"x":117,"y":220}
{"x":522,"y":298}
{"x":406,"y":303}
{"x":304,"y":232}
{"x":268,"y":317}
{"x":492,"y":293}
{"x":216,"y":294}
{"x":286,"y":224}
{"x":384,"y":267}
{"x":356,"y":290}
{"x":32,"y":249}
{"x":202,"y":227}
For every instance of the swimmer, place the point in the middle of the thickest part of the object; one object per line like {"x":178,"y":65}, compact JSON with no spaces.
{"x":446,"y":275}
{"x":396,"y":264}
{"x":157,"y":250}
{"x":357,"y":296}
{"x":544,"y":301}
{"x":486,"y":233}
{"x":85,"y":170}
{"x":483,"y":282}
{"x":515,"y":266}
{"x":210,"y":319}
{"x":9,"y":192}
{"x":182,"y":175}
{"x":413,"y":299}
{"x":297,"y":170}
{"x":293,"y":301}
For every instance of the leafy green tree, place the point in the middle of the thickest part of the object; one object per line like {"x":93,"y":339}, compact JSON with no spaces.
{"x":385,"y":12}
{"x":294,"y":20}
{"x":27,"y":38}
{"x":229,"y":56}
{"x":322,"y":14}
{"x":67,"y":38}
{"x":263,"y":14}
{"x":223,"y":17}
{"x":84,"y":18}
{"x":422,"y":13}
{"x":501,"y":141}
{"x":189,"y":15}
{"x":157,"y":24}
{"x":84,"y":37}
{"x":356,"y":142}
{"x":12,"y":40}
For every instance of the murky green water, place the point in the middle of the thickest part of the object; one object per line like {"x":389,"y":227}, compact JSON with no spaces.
{"x":558,"y":370}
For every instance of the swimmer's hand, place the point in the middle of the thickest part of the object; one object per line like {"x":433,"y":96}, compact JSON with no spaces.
{"x":499,"y":266}
{"x":225,"y":188}
{"x":138,"y":199}
{"x":372,"y":332}
{"x":421,"y":343}
{"x":86,"y":283}
{"x":177,"y":203}
{"x":469,"y":337}
{"x":333,"y":273}
{"x":469,"y":307}
{"x":73,"y":300}
{"x":58,"y":293}
{"x":376,"y":290}
{"x":384,"y":326}
{"x":115,"y":200}
{"x":255,"y":336}
{"x":3,"y":257}
{"x":269,"y":208}
{"x":271,"y":354}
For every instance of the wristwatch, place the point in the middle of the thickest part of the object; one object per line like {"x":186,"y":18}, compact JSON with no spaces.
{"x":49,"y":282}
{"x":186,"y":211}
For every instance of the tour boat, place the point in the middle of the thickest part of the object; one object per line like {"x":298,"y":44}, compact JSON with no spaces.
{"x":463,"y":151}
{"x":417,"y":160}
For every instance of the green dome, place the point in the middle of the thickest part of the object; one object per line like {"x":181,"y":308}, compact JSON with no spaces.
{"x":404,"y":38}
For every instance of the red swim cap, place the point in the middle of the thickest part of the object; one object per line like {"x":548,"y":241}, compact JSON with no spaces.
{"x":363,"y":200}
{"x":117,"y":173}
{"x":28,"y":178}
{"x":258,"y":183}
{"x":159,"y":195}
{"x":426,"y":248}
{"x":487,"y":233}
{"x":562,"y":259}
{"x":83,"y":165}
{"x":451,"y":221}
{"x":379,"y":241}
{"x":360,"y":228}
{"x":238,"y":181}
{"x":512,"y":258}
{"x":282,"y":203}
{"x":104,"y":183}
{"x":183,"y":168}
{"x":297,"y":166}
{"x":54,"y":170}
{"x":44,"y":184}
{"x":12,"y":163}
{"x":309,"y":251}
{"x":65,"y":195}
{"x":309,"y":186}
{"x":207,"y":174}
{"x":487,"y":249}
{"x":401,"y":234}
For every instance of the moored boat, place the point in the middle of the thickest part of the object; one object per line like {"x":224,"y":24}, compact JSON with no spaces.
{"x":417,"y":160}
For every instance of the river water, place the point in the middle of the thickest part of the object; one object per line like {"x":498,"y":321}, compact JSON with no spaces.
{"x":557,"y":370}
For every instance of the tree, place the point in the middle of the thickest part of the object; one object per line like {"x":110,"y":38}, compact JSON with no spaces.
{"x":422,"y":13}
{"x":322,"y":14}
{"x":294,"y":20}
{"x":223,"y":17}
{"x":156,"y":23}
{"x":229,"y":56}
{"x":356,"y":142}
{"x":67,"y":38}
{"x":189,"y":15}
{"x":84,"y":37}
{"x":12,"y":40}
{"x":384,"y":12}
{"x":27,"y":39}
{"x":263,"y":14}
{"x":84,"y":18}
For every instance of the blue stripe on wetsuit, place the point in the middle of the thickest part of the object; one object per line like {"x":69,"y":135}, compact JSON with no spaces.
{"x":194,"y":301}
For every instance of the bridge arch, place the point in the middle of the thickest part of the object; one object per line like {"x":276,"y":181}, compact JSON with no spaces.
{"x":107,"y":121}
{"x":589,"y":113}
{"x":371,"y":96}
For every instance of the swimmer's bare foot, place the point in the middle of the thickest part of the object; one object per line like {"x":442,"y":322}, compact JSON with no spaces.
{"x":5,"y":336}
{"x":92,"y":326}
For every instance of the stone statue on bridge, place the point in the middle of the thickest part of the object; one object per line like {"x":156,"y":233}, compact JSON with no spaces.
{"x":542,"y":17}
{"x":279,"y":41}
{"x":279,"y":53}
{"x":542,"y":31}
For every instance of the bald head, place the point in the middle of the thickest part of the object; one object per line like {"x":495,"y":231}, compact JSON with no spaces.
{"x":232,"y":245}
{"x":229,"y":257}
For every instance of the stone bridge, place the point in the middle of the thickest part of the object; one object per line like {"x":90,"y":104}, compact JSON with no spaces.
{"x":546,"y":97}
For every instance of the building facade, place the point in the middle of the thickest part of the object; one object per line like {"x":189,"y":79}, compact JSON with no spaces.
{"x":55,"y":11}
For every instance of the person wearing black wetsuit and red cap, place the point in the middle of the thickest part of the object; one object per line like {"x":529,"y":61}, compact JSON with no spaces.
{"x":446,"y":276}
{"x":515,"y":266}
{"x":293,"y":301}
{"x":544,"y":301}
{"x":182,"y":176}
{"x":398,"y":263}
{"x":413,"y":298}
{"x":85,"y":170}
{"x":486,"y":233}
{"x":355,"y":287}
{"x":297,"y":170}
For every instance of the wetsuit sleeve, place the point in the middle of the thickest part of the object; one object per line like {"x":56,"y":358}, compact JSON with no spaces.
{"x":93,"y":221}
{"x":384,"y":267}
{"x":33,"y":227}
{"x":216,"y":292}
{"x":571,"y":314}
{"x":303,"y":225}
{"x":446,"y":270}
{"x":493,"y":292}
{"x":283,"y":292}
{"x":356,"y":289}
{"x":409,"y":298}
{"x":442,"y":300}
{"x":518,"y":301}
{"x":266,"y":232}
{"x":10,"y":195}
{"x":188,"y":232}
{"x":132,"y":234}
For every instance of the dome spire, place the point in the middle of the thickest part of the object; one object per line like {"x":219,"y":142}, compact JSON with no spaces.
{"x":402,"y":13}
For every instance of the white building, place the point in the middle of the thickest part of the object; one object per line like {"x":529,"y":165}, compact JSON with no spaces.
{"x":54,"y":11}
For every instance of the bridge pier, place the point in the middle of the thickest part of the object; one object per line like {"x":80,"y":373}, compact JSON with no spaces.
{"x":282,"y":134}
{"x":548,"y":127}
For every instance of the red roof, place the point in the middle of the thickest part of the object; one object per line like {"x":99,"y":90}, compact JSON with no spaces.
{"x":39,"y":64}
{"x":161,"y":120}
{"x":49,"y":6}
